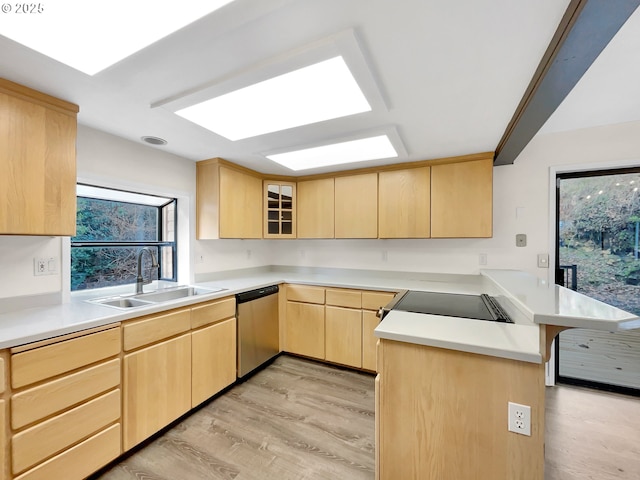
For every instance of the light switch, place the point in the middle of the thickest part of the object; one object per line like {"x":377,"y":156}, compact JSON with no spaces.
{"x":543,"y":260}
{"x":521,"y":240}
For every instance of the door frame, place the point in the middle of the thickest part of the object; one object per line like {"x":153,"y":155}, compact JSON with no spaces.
{"x":552,"y":367}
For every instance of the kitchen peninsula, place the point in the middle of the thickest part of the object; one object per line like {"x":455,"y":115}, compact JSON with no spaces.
{"x":443,"y":382}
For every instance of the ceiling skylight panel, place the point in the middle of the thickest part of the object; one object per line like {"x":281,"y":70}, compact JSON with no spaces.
{"x":91,"y":35}
{"x":319,"y":92}
{"x":372,"y":148}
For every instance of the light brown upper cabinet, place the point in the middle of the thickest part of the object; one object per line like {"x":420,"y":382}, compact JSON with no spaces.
{"x":37,"y":162}
{"x":404,"y":203}
{"x":356,"y":207}
{"x":315,"y":205}
{"x":462,"y":199}
{"x":228,"y":201}
{"x":279,"y":209}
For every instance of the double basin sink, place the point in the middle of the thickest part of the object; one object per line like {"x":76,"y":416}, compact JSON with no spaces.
{"x":152,"y":298}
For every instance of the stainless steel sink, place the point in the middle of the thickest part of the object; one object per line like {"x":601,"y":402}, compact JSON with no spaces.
{"x":152,"y":298}
{"x":123,"y":303}
{"x":174,"y":294}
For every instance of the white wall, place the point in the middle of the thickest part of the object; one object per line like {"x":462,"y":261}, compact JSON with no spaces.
{"x":523,"y":187}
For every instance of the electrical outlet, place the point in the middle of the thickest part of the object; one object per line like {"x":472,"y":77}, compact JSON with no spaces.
{"x":384,"y":255}
{"x":39,"y":266}
{"x":521,"y":240}
{"x":482,"y":259}
{"x":520,"y":419}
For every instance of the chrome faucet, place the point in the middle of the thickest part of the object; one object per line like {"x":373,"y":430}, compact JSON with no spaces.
{"x":140,"y":281}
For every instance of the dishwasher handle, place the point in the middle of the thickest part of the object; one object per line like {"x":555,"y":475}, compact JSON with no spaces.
{"x":257,"y":293}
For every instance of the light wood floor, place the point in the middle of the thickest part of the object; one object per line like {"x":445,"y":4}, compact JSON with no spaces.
{"x":296,"y":419}
{"x":591,"y":435}
{"x":303,"y":420}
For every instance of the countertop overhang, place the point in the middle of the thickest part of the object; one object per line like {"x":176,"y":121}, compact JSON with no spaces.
{"x":549,"y":304}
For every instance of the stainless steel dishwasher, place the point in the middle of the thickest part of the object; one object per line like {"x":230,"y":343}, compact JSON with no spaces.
{"x":258,"y":338}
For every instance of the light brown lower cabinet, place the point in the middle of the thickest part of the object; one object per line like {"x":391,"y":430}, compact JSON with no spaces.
{"x":81,"y":460}
{"x":213,"y":351}
{"x":371,"y":303}
{"x":65,"y":406}
{"x":156,"y":388}
{"x":443,"y":415}
{"x":369,"y":323}
{"x":3,"y":440}
{"x":39,"y":402}
{"x":52,"y":436}
{"x":304,"y":328}
{"x":343,"y":335}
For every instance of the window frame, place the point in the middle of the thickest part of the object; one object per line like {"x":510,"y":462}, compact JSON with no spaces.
{"x":128,"y":244}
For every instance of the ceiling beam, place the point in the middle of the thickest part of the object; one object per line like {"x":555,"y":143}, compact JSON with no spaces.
{"x":584,"y":31}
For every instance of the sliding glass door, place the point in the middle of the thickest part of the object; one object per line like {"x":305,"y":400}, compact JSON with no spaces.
{"x":598,"y":249}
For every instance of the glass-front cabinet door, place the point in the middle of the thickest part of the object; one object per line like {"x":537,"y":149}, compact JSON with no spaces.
{"x":280,"y":209}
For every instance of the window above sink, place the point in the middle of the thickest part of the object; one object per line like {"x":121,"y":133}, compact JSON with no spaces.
{"x":112,"y":227}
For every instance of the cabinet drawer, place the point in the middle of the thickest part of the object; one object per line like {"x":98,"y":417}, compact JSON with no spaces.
{"x":213,"y":312}
{"x":54,"y":435}
{"x":81,"y":460}
{"x":305,"y":294}
{"x":45,"y":362}
{"x":53,"y":397}
{"x":344,"y":298}
{"x":375,"y":300}
{"x":144,"y":332}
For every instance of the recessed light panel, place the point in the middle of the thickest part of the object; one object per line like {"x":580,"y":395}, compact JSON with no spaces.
{"x":91,"y":35}
{"x":322,"y":91}
{"x":372,"y":148}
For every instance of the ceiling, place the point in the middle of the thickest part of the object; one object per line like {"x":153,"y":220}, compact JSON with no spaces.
{"x":449,"y":75}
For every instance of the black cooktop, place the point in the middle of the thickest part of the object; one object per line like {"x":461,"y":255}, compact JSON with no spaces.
{"x":480,"y":307}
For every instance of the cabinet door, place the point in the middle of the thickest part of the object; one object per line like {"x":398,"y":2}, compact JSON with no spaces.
{"x":343,"y":336}
{"x":157,"y":388}
{"x":369,"y":340}
{"x":3,"y":440}
{"x":316,"y":208}
{"x":404,"y":203}
{"x":2,"y":376}
{"x":356,"y":206}
{"x":37,"y":163}
{"x":240,"y":204}
{"x":279,"y":209}
{"x":304,"y":329}
{"x":462,"y":200}
{"x":214,"y":360}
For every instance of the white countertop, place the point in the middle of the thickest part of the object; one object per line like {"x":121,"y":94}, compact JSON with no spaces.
{"x":526,"y":302}
{"x":550,"y":304}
